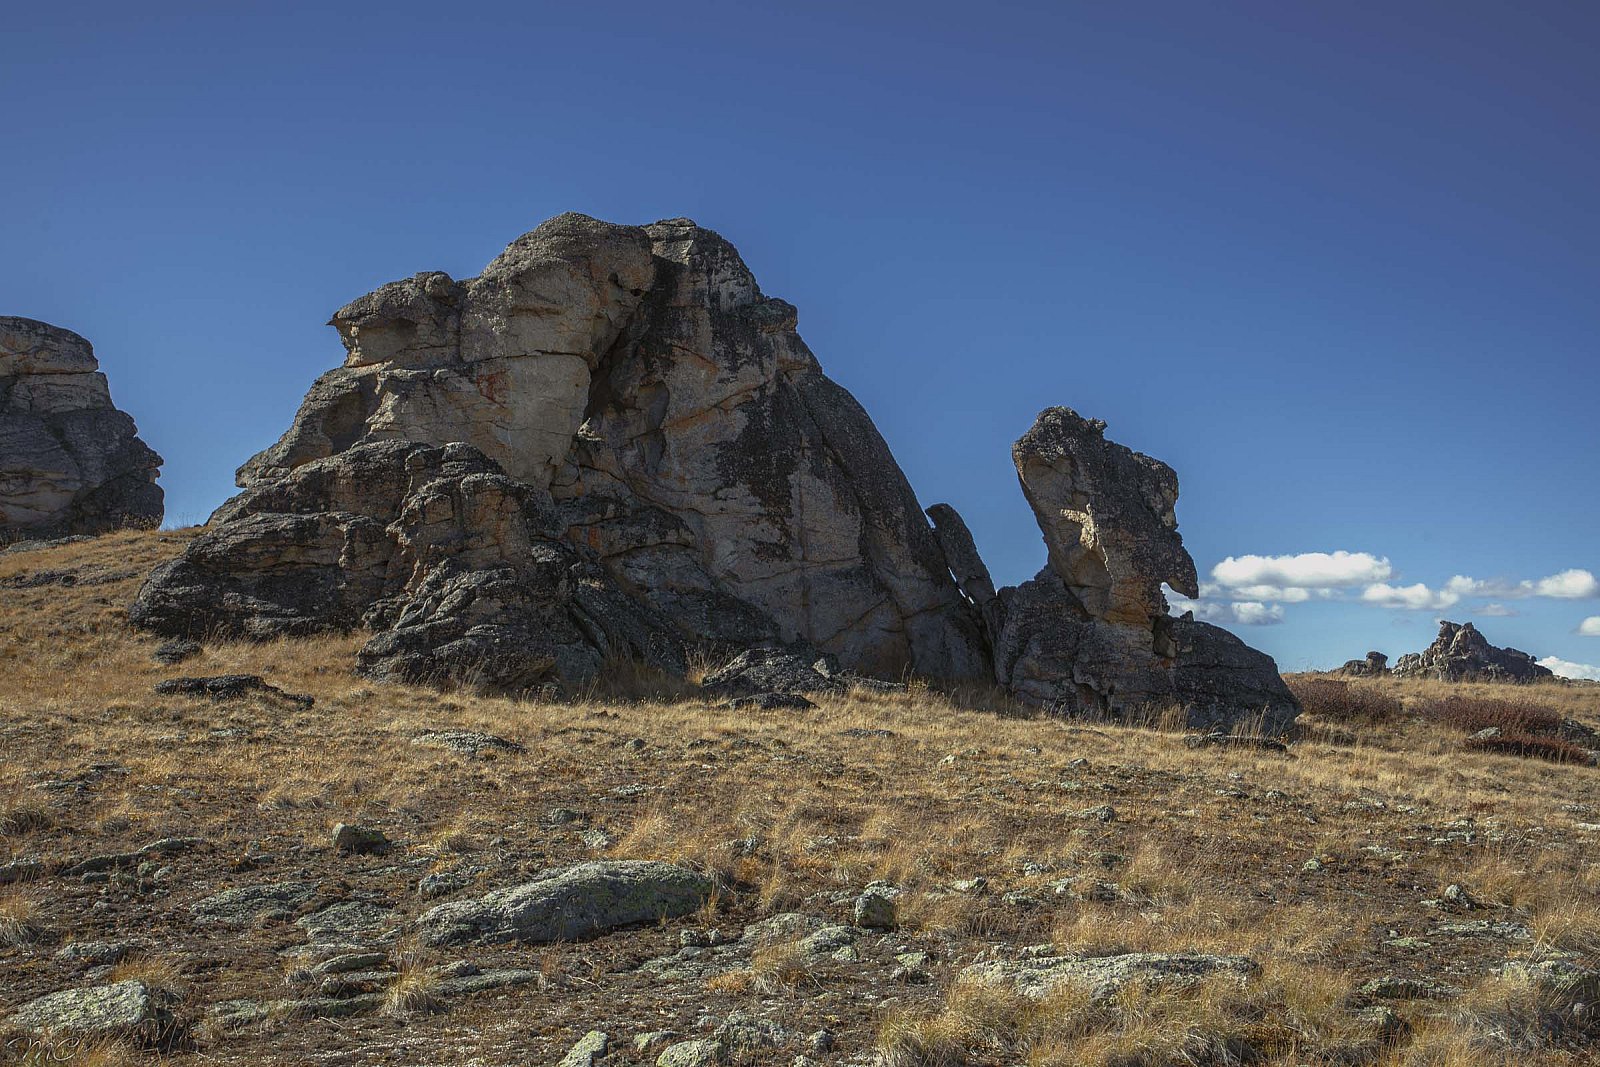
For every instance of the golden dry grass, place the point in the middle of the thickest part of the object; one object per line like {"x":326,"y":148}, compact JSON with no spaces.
{"x":794,"y":811}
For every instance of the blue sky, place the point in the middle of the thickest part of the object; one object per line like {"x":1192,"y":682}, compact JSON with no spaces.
{"x":1336,"y":263}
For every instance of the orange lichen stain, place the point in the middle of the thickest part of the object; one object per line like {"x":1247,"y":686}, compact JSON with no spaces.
{"x":494,"y":386}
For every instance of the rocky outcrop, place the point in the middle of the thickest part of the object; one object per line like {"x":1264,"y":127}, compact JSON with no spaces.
{"x":70,"y":462}
{"x":1091,"y":633}
{"x":684,"y":439}
{"x":1460,"y":653}
{"x":611,"y":444}
{"x":1376,"y":665}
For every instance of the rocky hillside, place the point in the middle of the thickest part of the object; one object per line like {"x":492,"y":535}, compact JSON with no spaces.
{"x":240,"y":852}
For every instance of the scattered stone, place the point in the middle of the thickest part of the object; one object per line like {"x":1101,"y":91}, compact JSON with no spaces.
{"x":228,"y":687}
{"x":771,"y":671}
{"x":95,"y":953}
{"x":647,"y":1041}
{"x":596,"y":840}
{"x":176,"y":650}
{"x":697,"y":1053}
{"x":770,"y":702}
{"x":346,"y":921}
{"x":349,"y":961}
{"x":1391,"y":987}
{"x":1487,"y":929}
{"x":442,"y":883}
{"x":247,"y":904}
{"x":590,"y":1047}
{"x":360,"y":840}
{"x":1220,"y":740}
{"x":70,"y":462}
{"x":466,"y":742}
{"x":22,"y":870}
{"x":1100,"y":813}
{"x":875,"y":908}
{"x":570,"y":903}
{"x":165,"y":847}
{"x":125,"y":1010}
{"x":1105,"y":976}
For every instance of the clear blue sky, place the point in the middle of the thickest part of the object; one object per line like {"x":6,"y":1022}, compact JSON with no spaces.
{"x":1337,"y":263}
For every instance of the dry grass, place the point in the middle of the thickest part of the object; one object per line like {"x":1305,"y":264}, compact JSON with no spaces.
{"x":794,"y":811}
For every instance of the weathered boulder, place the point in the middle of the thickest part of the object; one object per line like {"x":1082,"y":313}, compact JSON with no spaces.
{"x":70,"y":462}
{"x":570,"y":903}
{"x":1091,"y":632}
{"x":1375,"y":665}
{"x":1460,"y":653}
{"x":122,"y":1010}
{"x":688,"y":440}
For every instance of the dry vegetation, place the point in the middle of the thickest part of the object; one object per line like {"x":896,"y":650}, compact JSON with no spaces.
{"x":1328,"y":865}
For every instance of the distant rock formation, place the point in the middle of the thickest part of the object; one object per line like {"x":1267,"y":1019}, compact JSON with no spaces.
{"x":1460,"y":654}
{"x":1376,"y":665}
{"x":70,"y":462}
{"x":1091,"y":631}
{"x":611,"y":443}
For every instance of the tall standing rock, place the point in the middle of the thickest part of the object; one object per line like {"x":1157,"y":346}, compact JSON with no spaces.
{"x":1091,"y":633}
{"x":70,"y":462}
{"x":686,"y":438}
{"x":1460,"y":654}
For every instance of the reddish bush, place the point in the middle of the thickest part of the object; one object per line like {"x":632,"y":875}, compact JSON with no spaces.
{"x":1537,"y":746}
{"x":1343,"y":702}
{"x":1471,"y":714}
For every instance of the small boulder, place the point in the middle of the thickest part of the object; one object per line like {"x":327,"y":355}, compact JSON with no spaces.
{"x":360,"y":840}
{"x":176,"y":650}
{"x":570,"y":903}
{"x":875,"y":908}
{"x":1105,"y":976}
{"x":698,"y":1053}
{"x":590,"y":1047}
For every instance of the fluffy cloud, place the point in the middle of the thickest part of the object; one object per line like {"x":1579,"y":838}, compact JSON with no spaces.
{"x":1308,"y":570}
{"x":1568,"y":669}
{"x":1497,"y":611}
{"x":1409,"y":597}
{"x":1572,"y":584}
{"x":1590,"y":627}
{"x":1243,"y":613}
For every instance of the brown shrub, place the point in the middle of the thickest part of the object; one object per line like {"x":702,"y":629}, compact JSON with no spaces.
{"x":1343,"y":702}
{"x":1471,"y":714}
{"x":1537,"y":746}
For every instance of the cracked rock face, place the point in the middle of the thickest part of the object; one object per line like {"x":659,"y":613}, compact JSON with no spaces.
{"x":687,"y":439}
{"x":70,"y":462}
{"x":1090,"y":633}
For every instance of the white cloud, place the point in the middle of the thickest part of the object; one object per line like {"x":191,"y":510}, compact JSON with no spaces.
{"x":1572,"y":584}
{"x":1590,"y":627}
{"x":1568,"y":669}
{"x":1568,"y":585}
{"x":1307,"y":570}
{"x":1497,"y":610}
{"x":1409,"y":597}
{"x":1246,"y":613}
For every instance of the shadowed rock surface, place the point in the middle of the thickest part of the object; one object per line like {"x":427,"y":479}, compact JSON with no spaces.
{"x":1090,"y":633}
{"x":1460,"y":653}
{"x":1375,"y":665}
{"x":70,"y":462}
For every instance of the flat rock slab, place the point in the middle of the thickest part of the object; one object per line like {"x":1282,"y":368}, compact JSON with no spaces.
{"x":466,"y":742}
{"x":345,"y":921}
{"x":244,"y":905}
{"x":1106,"y":975}
{"x":122,"y":1009}
{"x":228,"y":687}
{"x":567,"y":904}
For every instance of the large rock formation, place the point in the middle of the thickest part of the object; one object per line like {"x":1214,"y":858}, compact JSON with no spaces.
{"x":70,"y":462}
{"x":1375,"y":665}
{"x":611,"y":444}
{"x":1461,"y":654}
{"x":1091,"y":633}
{"x":637,"y":385}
